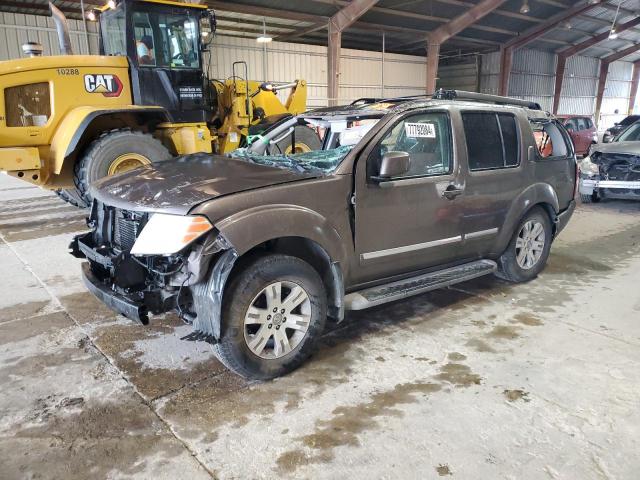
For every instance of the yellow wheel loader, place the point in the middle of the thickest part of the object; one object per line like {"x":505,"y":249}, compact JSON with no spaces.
{"x":68,"y":120}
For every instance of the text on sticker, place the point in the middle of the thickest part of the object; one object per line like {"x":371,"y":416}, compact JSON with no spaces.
{"x":420,"y":130}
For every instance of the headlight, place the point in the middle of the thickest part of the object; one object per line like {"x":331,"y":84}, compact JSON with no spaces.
{"x":588,"y":167}
{"x":167,"y":234}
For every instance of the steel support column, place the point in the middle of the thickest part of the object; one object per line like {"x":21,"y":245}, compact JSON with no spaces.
{"x":340,"y":21}
{"x":433,"y":57}
{"x":602,"y":82}
{"x":635,"y":80}
{"x":560,"y":68}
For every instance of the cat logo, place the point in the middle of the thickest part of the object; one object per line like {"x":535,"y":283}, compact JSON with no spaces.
{"x":107,"y":85}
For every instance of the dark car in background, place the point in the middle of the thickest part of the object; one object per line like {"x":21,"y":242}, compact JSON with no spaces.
{"x":613,"y":169}
{"x":611,"y":133}
{"x":582,"y":131}
{"x":256,"y":249}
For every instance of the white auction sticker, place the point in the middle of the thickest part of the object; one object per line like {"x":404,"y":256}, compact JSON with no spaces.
{"x":420,"y":130}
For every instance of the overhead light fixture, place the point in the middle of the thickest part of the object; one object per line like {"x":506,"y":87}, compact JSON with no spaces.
{"x":111,"y":4}
{"x":91,"y":16}
{"x":567,"y":25}
{"x":264,"y":38}
{"x":613,"y":34}
{"x":525,"y":7}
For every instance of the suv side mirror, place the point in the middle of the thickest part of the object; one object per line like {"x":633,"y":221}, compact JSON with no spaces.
{"x":394,"y":164}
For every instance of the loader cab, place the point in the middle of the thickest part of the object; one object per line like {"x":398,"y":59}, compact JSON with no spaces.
{"x":163,"y":41}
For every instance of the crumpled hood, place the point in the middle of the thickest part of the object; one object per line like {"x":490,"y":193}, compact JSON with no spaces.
{"x":177,"y":185}
{"x":630,"y":148}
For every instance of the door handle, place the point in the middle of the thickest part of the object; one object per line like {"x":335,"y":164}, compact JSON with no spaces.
{"x":452,"y":191}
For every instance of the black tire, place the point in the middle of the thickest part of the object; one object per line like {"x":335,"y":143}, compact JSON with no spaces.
{"x":98,"y":157}
{"x":508,"y":267}
{"x":594,"y":197}
{"x":306,"y":140}
{"x":73,"y":197}
{"x":233,"y":350}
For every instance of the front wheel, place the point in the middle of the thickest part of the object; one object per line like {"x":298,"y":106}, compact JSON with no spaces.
{"x":307,"y":140}
{"x":273,"y":312}
{"x":115,"y":152}
{"x":528,"y":250}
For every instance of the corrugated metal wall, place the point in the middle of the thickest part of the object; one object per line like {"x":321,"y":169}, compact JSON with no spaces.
{"x":361,"y":74}
{"x":616,"y":94}
{"x":16,"y":29}
{"x":533,"y":78}
{"x":460,"y":76}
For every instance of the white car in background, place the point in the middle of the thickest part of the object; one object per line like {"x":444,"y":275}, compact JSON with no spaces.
{"x":612,"y":169}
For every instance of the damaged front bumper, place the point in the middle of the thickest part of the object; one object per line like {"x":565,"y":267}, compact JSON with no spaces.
{"x":589,"y":185}
{"x":134,"y":310}
{"x":195,"y":291}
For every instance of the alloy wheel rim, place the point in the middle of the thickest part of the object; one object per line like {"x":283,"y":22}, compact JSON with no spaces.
{"x":300,"y":148}
{"x":277,"y":320}
{"x":530,"y":244}
{"x":127,"y":162}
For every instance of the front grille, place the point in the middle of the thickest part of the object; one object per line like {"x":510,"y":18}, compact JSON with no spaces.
{"x":126,"y":230}
{"x":114,"y":228}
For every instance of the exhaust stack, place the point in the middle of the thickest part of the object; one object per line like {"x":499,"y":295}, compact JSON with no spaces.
{"x":32,"y":49}
{"x":62,"y":29}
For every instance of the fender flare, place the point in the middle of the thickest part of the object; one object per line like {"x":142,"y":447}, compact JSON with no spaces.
{"x":74,"y":124}
{"x":250,"y":228}
{"x":538,"y":193}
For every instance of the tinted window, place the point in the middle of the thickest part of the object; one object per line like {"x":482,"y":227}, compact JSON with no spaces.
{"x":492,"y":140}
{"x":631,"y":134}
{"x":571,"y":124}
{"x":426,"y":137}
{"x":588,"y":123}
{"x":629,"y":120}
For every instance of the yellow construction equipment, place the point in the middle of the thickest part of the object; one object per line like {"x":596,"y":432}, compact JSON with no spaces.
{"x":68,"y":120}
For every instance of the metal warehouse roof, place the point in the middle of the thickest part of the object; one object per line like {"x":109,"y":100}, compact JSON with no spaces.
{"x":405,"y":23}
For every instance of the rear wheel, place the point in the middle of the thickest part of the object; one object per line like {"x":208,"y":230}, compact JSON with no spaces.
{"x":273,"y":312}
{"x":528,"y":250}
{"x":307,"y":140}
{"x":115,"y":152}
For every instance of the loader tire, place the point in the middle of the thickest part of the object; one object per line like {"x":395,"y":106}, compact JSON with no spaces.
{"x":307,"y":140}
{"x":114,"y":152}
{"x":72,"y":197}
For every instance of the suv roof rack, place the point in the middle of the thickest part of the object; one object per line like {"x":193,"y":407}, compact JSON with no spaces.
{"x":443,"y":94}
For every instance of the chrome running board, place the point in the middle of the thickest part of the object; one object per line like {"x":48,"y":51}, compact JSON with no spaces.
{"x":390,"y":292}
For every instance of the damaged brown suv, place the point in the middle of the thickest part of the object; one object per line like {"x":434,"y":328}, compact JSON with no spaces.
{"x":404,"y":196}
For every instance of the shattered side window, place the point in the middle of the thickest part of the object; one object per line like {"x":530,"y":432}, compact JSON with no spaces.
{"x":319,"y":161}
{"x":549,"y":139}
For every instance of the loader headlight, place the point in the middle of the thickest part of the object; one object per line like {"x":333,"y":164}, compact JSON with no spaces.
{"x":168,"y":234}
{"x":587,"y":167}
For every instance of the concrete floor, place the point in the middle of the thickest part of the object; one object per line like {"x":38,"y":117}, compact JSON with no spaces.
{"x":486,"y":380}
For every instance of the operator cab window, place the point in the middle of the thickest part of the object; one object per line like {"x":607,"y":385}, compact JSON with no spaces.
{"x":112,"y":25}
{"x":492,"y":140}
{"x":426,"y":137}
{"x":168,"y":41}
{"x":550,"y":142}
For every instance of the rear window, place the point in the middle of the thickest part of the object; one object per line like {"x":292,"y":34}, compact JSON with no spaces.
{"x":492,"y":140}
{"x":550,"y":141}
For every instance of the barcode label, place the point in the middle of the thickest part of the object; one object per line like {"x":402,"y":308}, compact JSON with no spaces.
{"x":420,"y":130}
